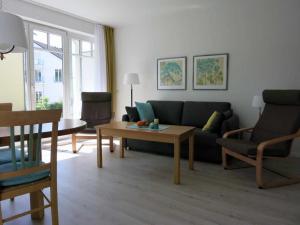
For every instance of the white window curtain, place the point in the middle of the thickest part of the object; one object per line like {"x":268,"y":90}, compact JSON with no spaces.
{"x":100,"y":59}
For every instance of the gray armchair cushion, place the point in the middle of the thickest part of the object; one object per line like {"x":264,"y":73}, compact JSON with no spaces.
{"x":239,"y":146}
{"x":282,"y":97}
{"x":96,"y":108}
{"x":276,"y":121}
{"x":245,"y":147}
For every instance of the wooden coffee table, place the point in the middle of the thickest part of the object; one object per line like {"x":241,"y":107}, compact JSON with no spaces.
{"x":173,"y":134}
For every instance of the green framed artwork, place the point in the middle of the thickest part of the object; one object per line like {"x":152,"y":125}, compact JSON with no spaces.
{"x":210,"y":72}
{"x":171,"y":73}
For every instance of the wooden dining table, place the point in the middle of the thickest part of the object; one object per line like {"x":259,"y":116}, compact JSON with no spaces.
{"x":65,"y":127}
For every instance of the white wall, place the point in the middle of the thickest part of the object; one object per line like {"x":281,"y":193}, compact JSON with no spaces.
{"x":47,"y":16}
{"x":262,"y":38}
{"x":12,"y":81}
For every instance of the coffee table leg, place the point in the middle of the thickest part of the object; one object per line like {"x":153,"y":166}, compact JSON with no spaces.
{"x":111,"y":144}
{"x":99,"y":148}
{"x":177,"y":161}
{"x":191,"y":152}
{"x":122,"y":143}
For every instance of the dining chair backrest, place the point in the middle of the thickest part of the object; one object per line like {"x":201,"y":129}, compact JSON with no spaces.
{"x":5,"y":106}
{"x":28,"y":125}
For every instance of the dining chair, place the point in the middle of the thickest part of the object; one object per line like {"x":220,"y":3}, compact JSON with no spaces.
{"x":30,"y":175}
{"x":5,"y":155}
{"x":96,"y":110}
{"x":272,"y":136}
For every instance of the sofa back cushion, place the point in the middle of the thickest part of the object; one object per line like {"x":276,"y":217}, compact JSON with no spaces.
{"x":197,"y":113}
{"x":168,"y":112}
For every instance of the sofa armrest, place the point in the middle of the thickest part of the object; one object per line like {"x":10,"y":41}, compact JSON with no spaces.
{"x":125,"y":118}
{"x":232,"y":123}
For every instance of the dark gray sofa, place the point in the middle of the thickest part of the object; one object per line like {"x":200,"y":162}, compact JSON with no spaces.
{"x":190,"y":114}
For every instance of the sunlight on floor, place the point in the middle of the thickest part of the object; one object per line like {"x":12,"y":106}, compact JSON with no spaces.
{"x":64,"y":148}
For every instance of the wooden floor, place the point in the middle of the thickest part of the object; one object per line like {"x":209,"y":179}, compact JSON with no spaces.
{"x":138,"y":190}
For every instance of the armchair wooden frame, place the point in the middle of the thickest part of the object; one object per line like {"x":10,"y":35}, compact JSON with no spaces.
{"x":23,"y":118}
{"x":257,"y":161}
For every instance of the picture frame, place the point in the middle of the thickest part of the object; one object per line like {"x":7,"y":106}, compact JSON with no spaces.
{"x":172,"y":73}
{"x":210,"y":72}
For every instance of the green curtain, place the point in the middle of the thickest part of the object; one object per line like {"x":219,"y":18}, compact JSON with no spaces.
{"x":110,"y":61}
{"x":110,"y":56}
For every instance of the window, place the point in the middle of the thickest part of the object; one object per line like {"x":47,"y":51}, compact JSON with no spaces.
{"x":83,"y":70}
{"x":38,"y":96}
{"x":58,"y":67}
{"x":45,"y":88}
{"x":38,"y":76}
{"x":58,"y":75}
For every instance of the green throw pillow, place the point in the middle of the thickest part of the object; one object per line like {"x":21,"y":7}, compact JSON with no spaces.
{"x":213,"y":124}
{"x":145,"y":111}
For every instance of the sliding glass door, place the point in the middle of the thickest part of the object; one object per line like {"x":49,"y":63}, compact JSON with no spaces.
{"x":48,"y":69}
{"x":59,"y":65}
{"x":83,"y":71}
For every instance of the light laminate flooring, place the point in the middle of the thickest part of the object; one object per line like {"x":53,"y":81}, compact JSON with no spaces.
{"x":139,"y":190}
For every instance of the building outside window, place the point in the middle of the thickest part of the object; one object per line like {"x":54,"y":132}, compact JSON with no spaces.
{"x":58,"y":75}
{"x":38,"y":96}
{"x":38,"y":76}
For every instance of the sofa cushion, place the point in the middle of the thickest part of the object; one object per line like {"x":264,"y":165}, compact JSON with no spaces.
{"x":214,"y":122}
{"x":145,"y":111}
{"x":197,"y":113}
{"x":168,"y":112}
{"x":132,"y":113}
{"x":205,"y":139}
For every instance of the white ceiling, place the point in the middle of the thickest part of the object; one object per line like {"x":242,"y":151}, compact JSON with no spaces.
{"x":122,"y":12}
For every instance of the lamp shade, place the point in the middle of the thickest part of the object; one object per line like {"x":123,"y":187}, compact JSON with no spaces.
{"x":257,"y":101}
{"x":131,"y":78}
{"x":12,"y":33}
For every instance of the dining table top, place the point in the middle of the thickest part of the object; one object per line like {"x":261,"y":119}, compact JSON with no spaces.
{"x":65,"y":127}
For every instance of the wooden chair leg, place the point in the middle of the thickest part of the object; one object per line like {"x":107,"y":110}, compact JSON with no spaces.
{"x":111,"y":144}
{"x":54,"y":205}
{"x":1,"y":219}
{"x":74,"y":143}
{"x":224,"y":159}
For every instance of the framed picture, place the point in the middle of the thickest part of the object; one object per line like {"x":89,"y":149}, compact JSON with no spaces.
{"x":210,"y":72}
{"x":171,"y":73}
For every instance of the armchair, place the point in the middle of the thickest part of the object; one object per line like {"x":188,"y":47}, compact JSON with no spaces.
{"x":271,"y":137}
{"x":96,"y":110}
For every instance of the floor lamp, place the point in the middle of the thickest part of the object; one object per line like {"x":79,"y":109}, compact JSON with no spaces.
{"x":257,"y":102}
{"x":131,"y":79}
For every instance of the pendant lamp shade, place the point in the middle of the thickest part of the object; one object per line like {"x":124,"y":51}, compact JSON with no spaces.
{"x":12,"y":34}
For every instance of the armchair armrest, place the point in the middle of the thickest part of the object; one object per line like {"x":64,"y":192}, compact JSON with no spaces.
{"x":261,"y":147}
{"x":227,"y":134}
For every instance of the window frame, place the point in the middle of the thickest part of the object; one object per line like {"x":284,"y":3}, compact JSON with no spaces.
{"x":67,"y":76}
{"x":88,"y":38}
{"x":30,"y":99}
